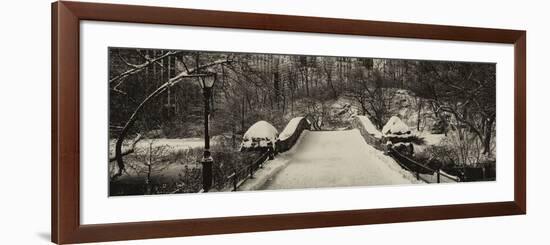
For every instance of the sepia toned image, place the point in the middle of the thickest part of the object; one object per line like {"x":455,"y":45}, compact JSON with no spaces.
{"x":197,"y":121}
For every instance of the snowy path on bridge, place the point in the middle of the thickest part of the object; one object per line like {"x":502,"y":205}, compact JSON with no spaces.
{"x":336,"y":159}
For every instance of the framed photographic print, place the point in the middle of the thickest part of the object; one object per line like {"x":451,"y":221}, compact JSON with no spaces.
{"x":176,"y":122}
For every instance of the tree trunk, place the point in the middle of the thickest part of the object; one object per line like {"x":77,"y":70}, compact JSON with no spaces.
{"x":418,"y":114}
{"x":329,"y":81}
{"x":149,"y":170}
{"x":276,"y":88}
{"x":243,"y":108}
{"x":306,"y":80}
{"x":487,"y":136}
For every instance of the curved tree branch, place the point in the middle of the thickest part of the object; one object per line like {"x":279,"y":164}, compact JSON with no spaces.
{"x":129,"y":150}
{"x":138,"y":68}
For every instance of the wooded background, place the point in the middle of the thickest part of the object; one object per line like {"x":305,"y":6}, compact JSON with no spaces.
{"x":275,"y":88}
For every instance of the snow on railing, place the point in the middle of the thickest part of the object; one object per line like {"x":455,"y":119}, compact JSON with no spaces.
{"x":291,"y":133}
{"x":375,"y":138}
{"x":290,"y":128}
{"x":369,"y":132}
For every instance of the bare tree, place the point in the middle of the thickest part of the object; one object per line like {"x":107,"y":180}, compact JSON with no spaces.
{"x":151,"y":161}
{"x":316,"y":112}
{"x":128,"y":150}
{"x":374,"y":98}
{"x":467,"y":92}
{"x":189,"y":73}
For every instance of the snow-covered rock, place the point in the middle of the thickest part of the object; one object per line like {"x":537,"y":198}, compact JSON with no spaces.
{"x":395,"y":127}
{"x":261,"y":134}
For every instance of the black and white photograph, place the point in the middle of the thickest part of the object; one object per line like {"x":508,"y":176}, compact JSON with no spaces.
{"x":188,"y":121}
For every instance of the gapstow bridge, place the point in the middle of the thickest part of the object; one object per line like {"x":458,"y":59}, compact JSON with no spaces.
{"x":305,"y":158}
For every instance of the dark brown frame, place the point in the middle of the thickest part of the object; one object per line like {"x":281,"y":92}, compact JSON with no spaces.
{"x":65,"y":177}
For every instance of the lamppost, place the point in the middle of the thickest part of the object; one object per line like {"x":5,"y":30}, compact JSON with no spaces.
{"x":207,"y":82}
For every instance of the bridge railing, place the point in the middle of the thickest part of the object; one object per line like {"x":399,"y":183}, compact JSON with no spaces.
{"x":299,"y":125}
{"x":292,"y":132}
{"x":371,"y":135}
{"x":421,"y":171}
{"x":240,"y":175}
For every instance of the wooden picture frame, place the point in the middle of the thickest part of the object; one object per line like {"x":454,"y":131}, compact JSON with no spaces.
{"x":65,"y":176}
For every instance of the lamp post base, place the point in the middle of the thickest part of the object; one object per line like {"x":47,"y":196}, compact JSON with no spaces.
{"x":207,"y":173}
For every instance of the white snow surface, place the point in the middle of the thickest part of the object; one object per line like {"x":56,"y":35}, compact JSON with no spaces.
{"x":337,"y":159}
{"x":176,"y":144}
{"x":290,"y":128}
{"x":395,"y":125}
{"x":260,"y":133}
{"x":172,"y":144}
{"x":369,"y":127}
{"x":400,"y":144}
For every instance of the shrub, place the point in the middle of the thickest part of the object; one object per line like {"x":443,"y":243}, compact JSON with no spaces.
{"x":177,"y":171}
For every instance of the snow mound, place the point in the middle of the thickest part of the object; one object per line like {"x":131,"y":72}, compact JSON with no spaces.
{"x":395,"y":126}
{"x":290,"y":128}
{"x":261,"y":134}
{"x":369,"y":127}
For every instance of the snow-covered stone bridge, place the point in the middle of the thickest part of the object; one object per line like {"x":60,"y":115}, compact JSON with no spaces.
{"x":334,"y":159}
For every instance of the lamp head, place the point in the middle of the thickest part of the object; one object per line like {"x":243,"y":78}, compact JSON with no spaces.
{"x":207,"y":81}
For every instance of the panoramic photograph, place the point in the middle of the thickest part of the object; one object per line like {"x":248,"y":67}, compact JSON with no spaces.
{"x":188,"y":121}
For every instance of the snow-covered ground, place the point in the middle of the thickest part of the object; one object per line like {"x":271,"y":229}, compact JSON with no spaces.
{"x":336,"y":159}
{"x":172,"y":144}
